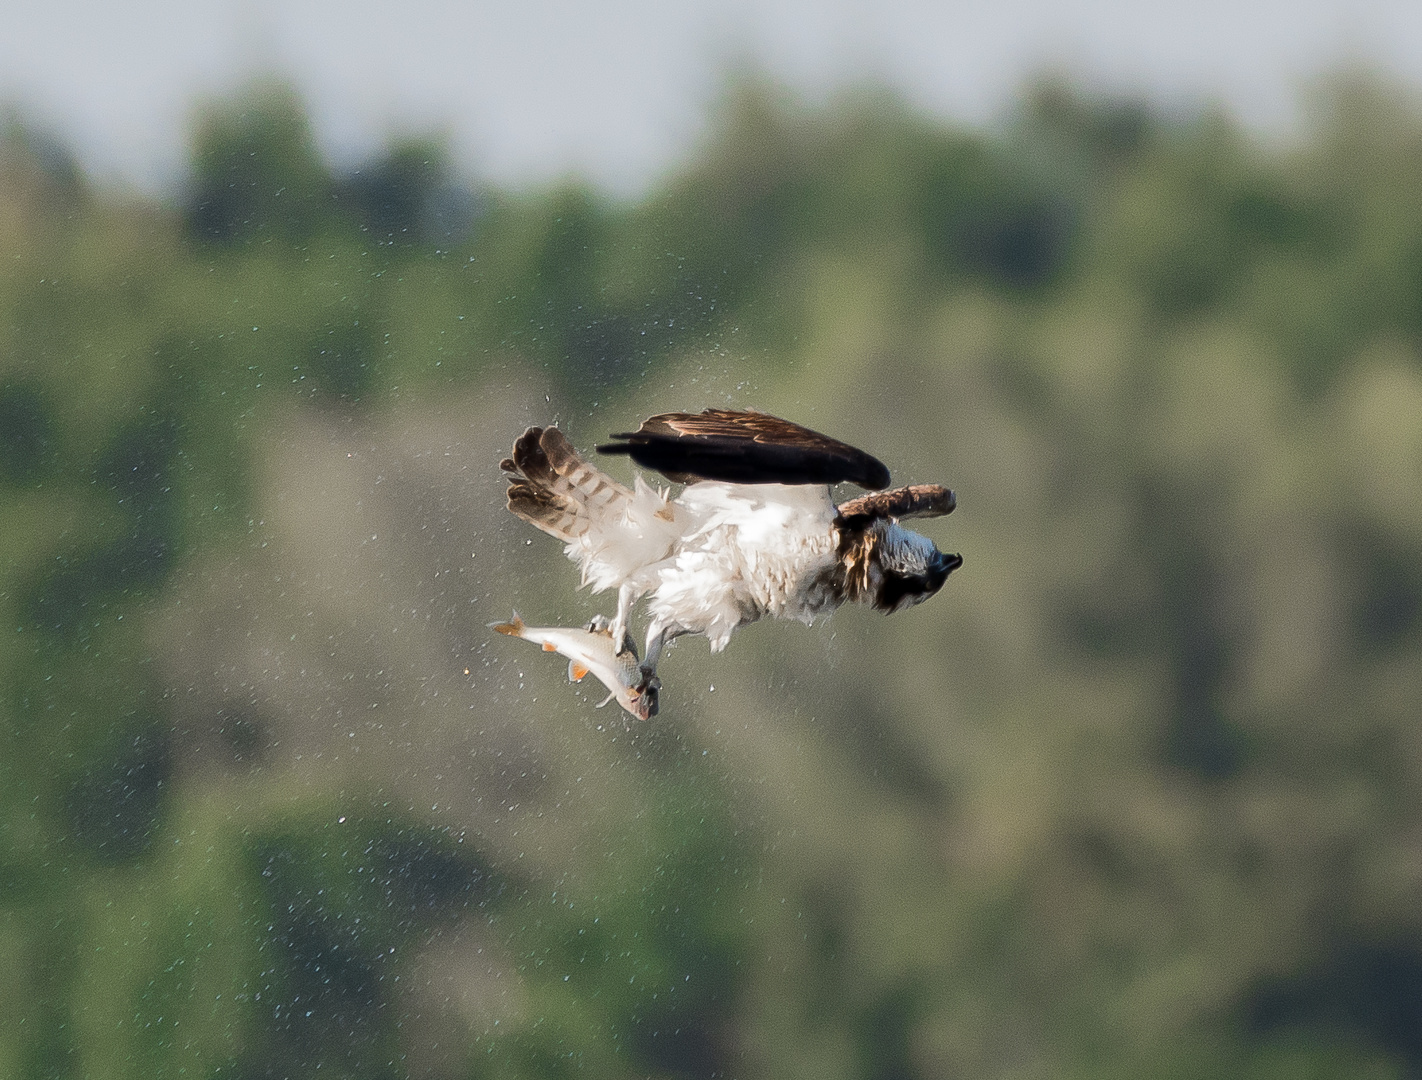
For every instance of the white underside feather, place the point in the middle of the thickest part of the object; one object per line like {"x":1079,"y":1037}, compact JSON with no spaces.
{"x":717,"y":557}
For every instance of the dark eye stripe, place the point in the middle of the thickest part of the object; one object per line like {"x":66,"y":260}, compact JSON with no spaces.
{"x":898,"y":586}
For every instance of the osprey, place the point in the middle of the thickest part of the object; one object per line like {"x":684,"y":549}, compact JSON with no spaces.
{"x":753,"y":534}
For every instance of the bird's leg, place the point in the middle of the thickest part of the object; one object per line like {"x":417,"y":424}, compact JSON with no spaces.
{"x":659,"y":635}
{"x":598,"y":624}
{"x":627,"y":595}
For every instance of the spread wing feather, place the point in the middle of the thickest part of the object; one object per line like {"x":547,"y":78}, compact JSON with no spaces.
{"x":744,"y":448}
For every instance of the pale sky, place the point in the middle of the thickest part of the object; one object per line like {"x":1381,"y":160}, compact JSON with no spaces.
{"x":618,"y":91}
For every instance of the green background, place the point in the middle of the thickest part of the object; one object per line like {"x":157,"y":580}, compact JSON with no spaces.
{"x":1139,"y":794}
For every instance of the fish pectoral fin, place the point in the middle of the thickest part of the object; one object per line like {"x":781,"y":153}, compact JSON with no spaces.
{"x":548,"y":646}
{"x":576,"y":671}
{"x":605,"y":701}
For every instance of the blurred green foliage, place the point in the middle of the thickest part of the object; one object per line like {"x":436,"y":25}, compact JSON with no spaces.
{"x":1136,"y":796}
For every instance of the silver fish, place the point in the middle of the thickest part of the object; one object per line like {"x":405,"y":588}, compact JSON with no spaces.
{"x":591,"y":650}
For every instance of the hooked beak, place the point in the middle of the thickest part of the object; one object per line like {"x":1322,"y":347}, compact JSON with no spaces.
{"x":942,"y":566}
{"x":937,"y":572}
{"x":946,"y":564}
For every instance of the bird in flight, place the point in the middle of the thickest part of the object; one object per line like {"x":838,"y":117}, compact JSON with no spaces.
{"x":754,"y":534}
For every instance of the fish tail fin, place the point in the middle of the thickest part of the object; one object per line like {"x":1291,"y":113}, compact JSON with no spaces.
{"x":514,"y":627}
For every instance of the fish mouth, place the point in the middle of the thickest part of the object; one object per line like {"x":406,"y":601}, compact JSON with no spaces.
{"x":644,"y":701}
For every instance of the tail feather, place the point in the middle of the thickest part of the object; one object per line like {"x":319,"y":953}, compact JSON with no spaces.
{"x":614,"y":533}
{"x":555,"y":490}
{"x":576,"y":479}
{"x":529,"y":458}
{"x":545,"y":510}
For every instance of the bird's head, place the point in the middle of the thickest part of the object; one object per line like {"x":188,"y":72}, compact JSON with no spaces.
{"x":910,"y":569}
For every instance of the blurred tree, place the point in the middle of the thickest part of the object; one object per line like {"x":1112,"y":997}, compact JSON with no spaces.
{"x":257,"y":174}
{"x":408,"y":196}
{"x":116,"y":806}
{"x":26,"y":434}
{"x":29,"y":149}
{"x":1137,"y":799}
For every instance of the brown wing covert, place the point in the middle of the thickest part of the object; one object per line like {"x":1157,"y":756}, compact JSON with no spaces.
{"x":914,"y":501}
{"x":744,"y":448}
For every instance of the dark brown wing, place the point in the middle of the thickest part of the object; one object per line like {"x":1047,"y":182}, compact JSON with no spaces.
{"x":744,"y":448}
{"x":916,"y":500}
